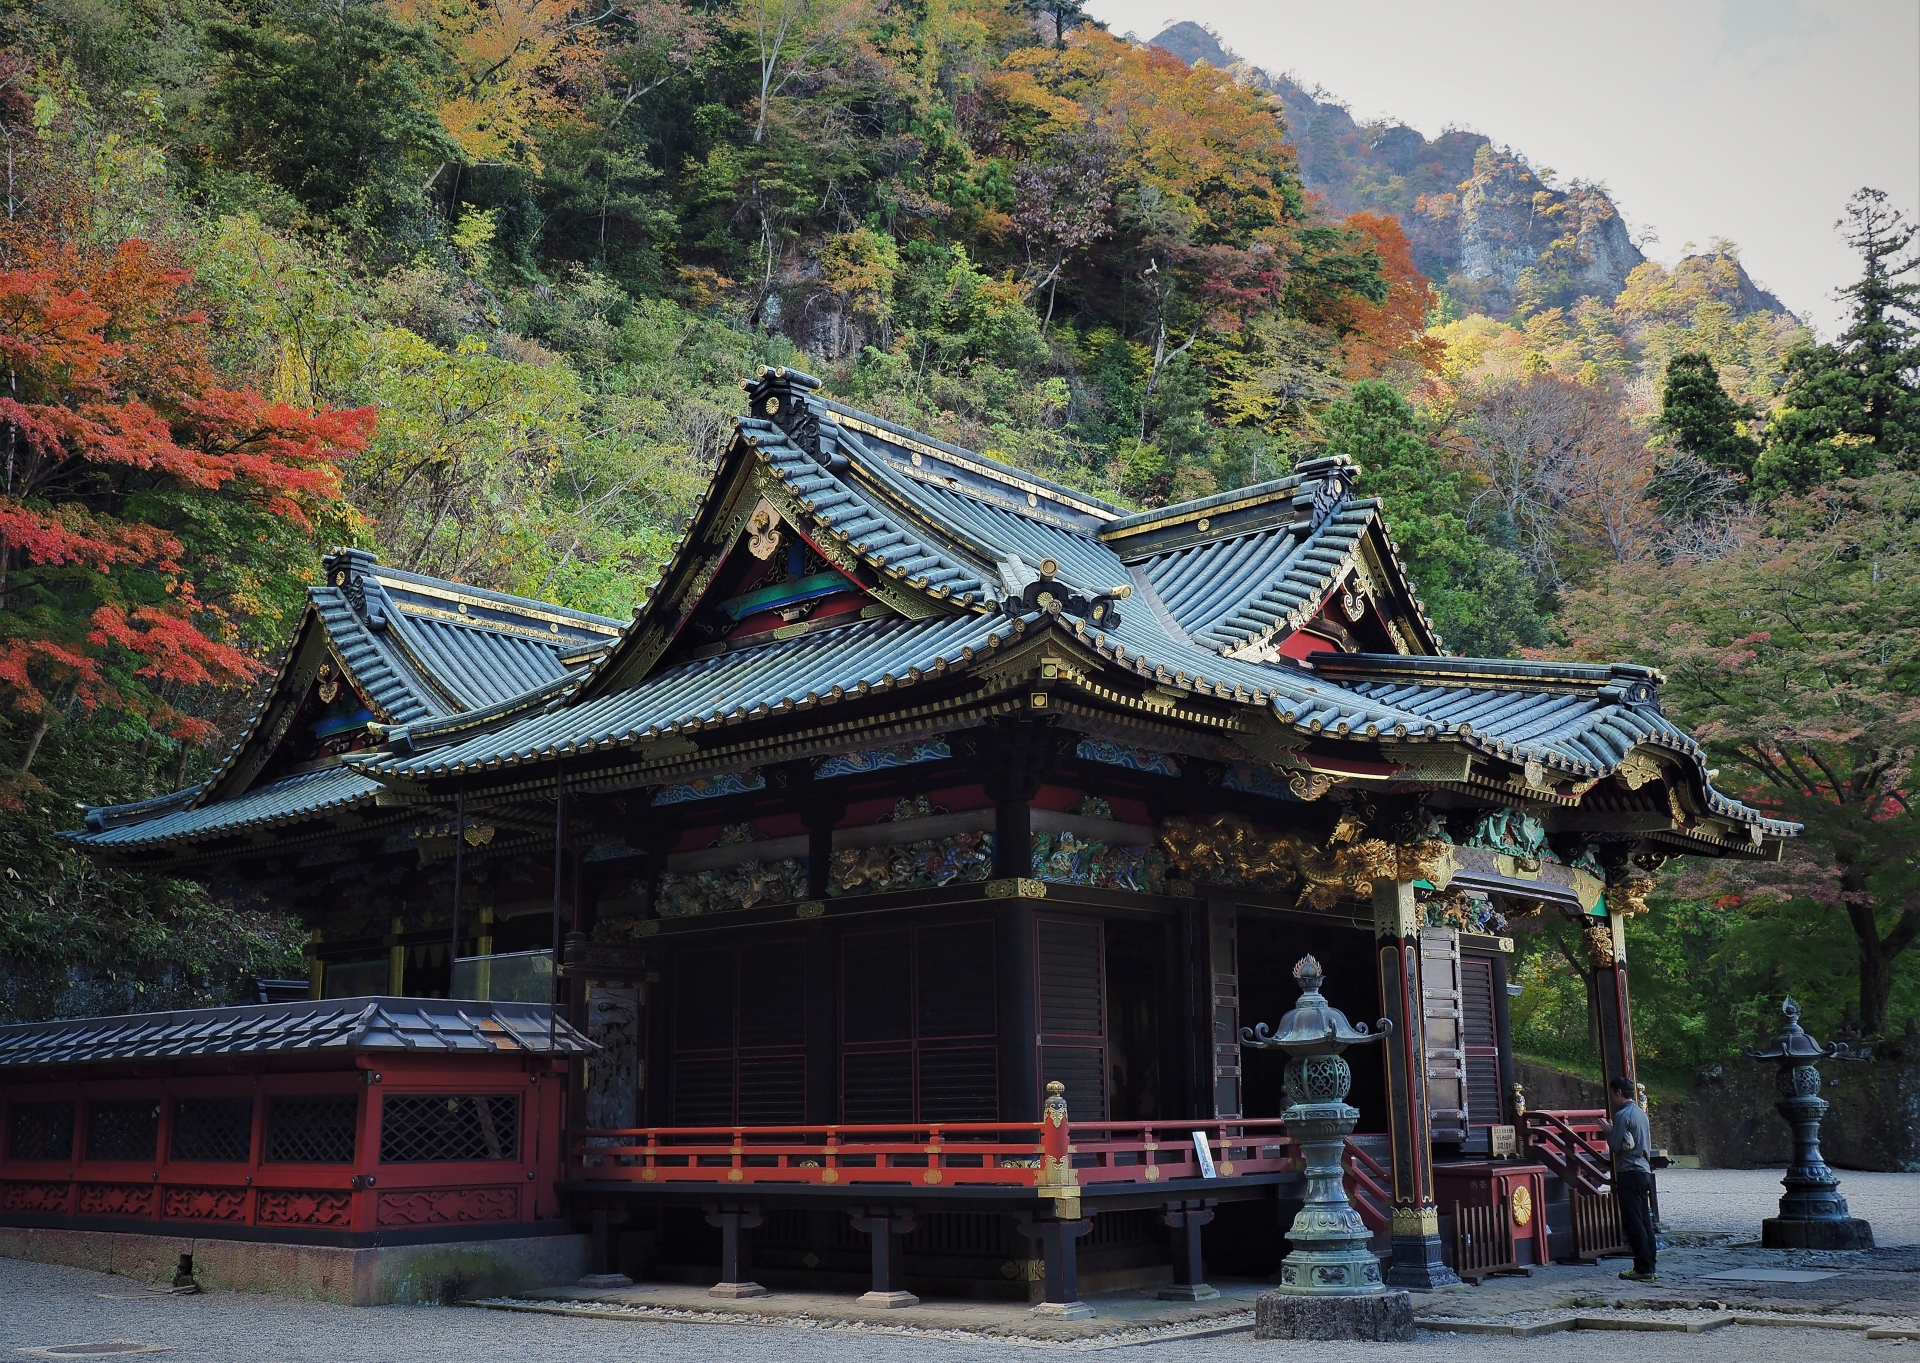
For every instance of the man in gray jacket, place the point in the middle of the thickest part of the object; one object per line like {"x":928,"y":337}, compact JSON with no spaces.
{"x":1631,"y":1143}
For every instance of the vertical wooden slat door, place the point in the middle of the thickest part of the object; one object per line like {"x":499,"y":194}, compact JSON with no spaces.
{"x":1440,"y":1019}
{"x":1223,"y":979}
{"x":919,"y":1025}
{"x":739,"y":1035}
{"x":1071,"y":975}
{"x":1480,"y":1044}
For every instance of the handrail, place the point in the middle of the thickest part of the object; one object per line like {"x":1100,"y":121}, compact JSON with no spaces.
{"x":1369,"y":1187}
{"x":1009,"y":1154}
{"x":1567,"y":1143}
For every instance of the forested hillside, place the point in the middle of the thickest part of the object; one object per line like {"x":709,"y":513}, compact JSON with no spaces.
{"x":473,"y":285}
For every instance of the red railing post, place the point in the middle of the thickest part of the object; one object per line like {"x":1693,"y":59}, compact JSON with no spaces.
{"x":1057,"y":1177}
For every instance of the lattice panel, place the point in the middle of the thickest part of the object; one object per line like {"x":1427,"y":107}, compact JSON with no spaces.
{"x":124,"y":1130}
{"x":40,"y":1131}
{"x":118,"y":1199}
{"x":430,"y":1128}
{"x":33,"y":1197}
{"x":449,"y":1204}
{"x":213,"y":1130}
{"x":205,"y":1204}
{"x":312,"y":1130}
{"x":302,"y":1208}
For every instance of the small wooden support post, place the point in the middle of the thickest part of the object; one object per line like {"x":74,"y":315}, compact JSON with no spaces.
{"x":1061,"y":1299}
{"x":735,"y":1274}
{"x":1185,"y":1219}
{"x":1417,"y":1261}
{"x":888,"y":1227}
{"x":600,"y":1247}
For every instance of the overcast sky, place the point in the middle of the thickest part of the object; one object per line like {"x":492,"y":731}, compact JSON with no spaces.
{"x":1747,"y":119}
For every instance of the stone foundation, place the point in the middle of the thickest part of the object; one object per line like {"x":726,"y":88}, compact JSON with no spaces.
{"x":1849,"y":1233}
{"x":1382,"y":1317}
{"x":377,"y":1276}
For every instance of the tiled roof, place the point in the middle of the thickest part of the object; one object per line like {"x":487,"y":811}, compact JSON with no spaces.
{"x":1578,"y":720}
{"x":869,"y":524}
{"x":422,"y":648}
{"x":1191,"y":597}
{"x":417,"y":1026}
{"x":816,"y":669}
{"x":430,"y":654}
{"x":282,"y":802}
{"x":1228,"y":591}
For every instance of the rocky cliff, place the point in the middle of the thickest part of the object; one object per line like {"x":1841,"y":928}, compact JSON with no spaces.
{"x":1481,"y":220}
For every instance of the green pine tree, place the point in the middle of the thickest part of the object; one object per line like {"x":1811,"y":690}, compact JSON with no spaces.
{"x":1854,"y":405}
{"x":1702,"y":419}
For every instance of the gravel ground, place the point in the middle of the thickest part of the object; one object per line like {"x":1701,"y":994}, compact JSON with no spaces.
{"x":1739,"y":1199}
{"x":50,"y":1305}
{"x":42,"y":1304}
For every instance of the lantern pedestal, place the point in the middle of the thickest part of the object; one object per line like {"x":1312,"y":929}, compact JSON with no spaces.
{"x":1380,"y":1317}
{"x":1813,"y":1215}
{"x":1330,"y":1285}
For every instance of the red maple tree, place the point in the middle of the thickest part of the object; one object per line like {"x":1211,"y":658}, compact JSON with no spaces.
{"x":120,"y":445}
{"x":1377,"y":334}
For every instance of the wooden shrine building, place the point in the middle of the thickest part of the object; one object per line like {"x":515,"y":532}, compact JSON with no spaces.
{"x":921,"y":784}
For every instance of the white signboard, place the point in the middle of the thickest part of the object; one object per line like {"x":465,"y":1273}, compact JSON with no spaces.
{"x":1205,"y":1153}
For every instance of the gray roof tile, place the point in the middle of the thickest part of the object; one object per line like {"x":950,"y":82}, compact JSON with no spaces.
{"x":325,"y":1025}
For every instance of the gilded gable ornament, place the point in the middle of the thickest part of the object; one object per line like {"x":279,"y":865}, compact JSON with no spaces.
{"x":329,"y":683}
{"x":1638,"y":768}
{"x":763,"y":530}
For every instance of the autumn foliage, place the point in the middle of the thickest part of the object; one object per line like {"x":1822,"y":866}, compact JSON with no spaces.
{"x":1379,"y":334}
{"x":122,"y":450}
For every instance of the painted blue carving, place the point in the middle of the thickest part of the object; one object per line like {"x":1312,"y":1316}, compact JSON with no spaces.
{"x":1257,"y":781}
{"x":1069,"y":859}
{"x":1119,"y":755}
{"x":711,"y":787}
{"x":876,"y":759}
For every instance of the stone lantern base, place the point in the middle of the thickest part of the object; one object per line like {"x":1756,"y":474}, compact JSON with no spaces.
{"x":1381,"y":1317}
{"x":1847,"y":1232}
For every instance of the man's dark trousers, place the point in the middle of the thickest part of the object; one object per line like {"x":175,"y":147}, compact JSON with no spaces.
{"x":1633,"y":1190}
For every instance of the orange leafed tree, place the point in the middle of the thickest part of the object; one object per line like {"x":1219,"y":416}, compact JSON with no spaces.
{"x":504,"y":58}
{"x":130,"y":471}
{"x":1382,"y":333}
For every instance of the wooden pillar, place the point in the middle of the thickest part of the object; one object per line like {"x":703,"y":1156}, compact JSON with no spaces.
{"x":1416,"y":1220}
{"x":888,"y":1229}
{"x":736,"y":1274}
{"x":823,"y":1014}
{"x":1607,"y":957}
{"x":1185,"y":1220}
{"x":1059,"y":1248}
{"x":1014,"y":756}
{"x":396,"y":960}
{"x":1019,"y":1021}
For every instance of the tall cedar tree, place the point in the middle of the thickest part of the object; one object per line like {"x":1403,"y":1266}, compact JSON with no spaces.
{"x":1702,"y":419}
{"x":121,"y":447}
{"x":1854,"y":406}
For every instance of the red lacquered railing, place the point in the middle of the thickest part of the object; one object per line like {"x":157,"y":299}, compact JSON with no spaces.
{"x":1572,"y":1144}
{"x":948,"y":1154}
{"x":1369,"y":1188}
